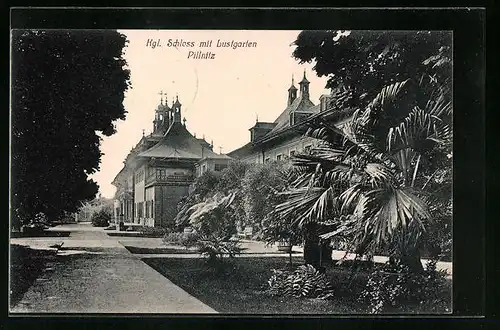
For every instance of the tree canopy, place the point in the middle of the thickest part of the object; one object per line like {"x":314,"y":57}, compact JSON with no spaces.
{"x":67,"y":89}
{"x":366,"y":61}
{"x":389,"y":175}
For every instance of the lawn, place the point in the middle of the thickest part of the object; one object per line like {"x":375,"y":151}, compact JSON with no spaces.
{"x":166,"y":250}
{"x":240,"y":288}
{"x":26,"y":265}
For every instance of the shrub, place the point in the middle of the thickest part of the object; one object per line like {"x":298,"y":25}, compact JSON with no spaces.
{"x":215,"y":248}
{"x":101,"y":219}
{"x":395,"y":285}
{"x":189,"y":239}
{"x":173,"y":238}
{"x":152,"y":231}
{"x":305,"y":281}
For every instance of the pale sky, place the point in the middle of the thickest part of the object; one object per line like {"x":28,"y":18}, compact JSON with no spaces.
{"x":220,"y":97}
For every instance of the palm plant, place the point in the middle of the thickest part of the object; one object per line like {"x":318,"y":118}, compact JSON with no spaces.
{"x":369,"y":178}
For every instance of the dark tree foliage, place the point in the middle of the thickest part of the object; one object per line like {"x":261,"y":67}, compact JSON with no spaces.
{"x":67,"y":86}
{"x":366,"y":61}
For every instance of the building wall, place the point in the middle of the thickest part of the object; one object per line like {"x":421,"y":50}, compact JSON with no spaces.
{"x":149,"y":208}
{"x":211,"y":165}
{"x":139,"y":194}
{"x":284,"y":149}
{"x":167,"y":198}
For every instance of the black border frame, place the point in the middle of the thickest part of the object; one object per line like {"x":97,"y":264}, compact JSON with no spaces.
{"x":468,"y":26}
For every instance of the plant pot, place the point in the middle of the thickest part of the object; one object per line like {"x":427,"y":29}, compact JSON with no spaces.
{"x":284,"y":247}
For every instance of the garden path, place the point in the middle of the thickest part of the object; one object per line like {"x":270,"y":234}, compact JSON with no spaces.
{"x":94,"y":273}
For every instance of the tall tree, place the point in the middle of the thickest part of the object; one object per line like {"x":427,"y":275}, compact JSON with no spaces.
{"x":365,"y":61}
{"x":67,"y":88}
{"x":375,"y":179}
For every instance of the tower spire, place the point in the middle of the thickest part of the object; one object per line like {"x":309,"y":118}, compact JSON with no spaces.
{"x":161,"y":96}
{"x":292,"y":92}
{"x":304,"y":87}
{"x":176,"y":107}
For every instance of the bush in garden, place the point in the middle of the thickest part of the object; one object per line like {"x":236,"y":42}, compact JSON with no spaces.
{"x":101,"y":219}
{"x":396,"y":285}
{"x":305,"y":281}
{"x":173,"y":238}
{"x":189,"y":240}
{"x":152,"y":231}
{"x":203,"y":188}
{"x":215,"y":248}
{"x":260,"y":188}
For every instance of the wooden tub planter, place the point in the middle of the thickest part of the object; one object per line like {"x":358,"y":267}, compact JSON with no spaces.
{"x":284,"y":247}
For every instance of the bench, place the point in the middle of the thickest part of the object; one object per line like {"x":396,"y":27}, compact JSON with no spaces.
{"x":247,"y":233}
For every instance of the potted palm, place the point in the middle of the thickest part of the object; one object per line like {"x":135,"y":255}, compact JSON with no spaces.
{"x":285,"y":245}
{"x":278,"y":231}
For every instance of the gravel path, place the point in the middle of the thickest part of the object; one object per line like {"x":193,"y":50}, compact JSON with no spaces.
{"x":94,"y":273}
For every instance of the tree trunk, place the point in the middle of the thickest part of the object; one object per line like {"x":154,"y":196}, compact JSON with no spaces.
{"x":412,"y":260}
{"x":326,"y":254}
{"x":311,"y":245}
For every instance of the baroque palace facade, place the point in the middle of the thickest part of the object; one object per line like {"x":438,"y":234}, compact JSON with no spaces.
{"x":281,"y":139}
{"x":159,"y":170}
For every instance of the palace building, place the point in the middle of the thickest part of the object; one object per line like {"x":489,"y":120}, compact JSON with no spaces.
{"x":159,"y":170}
{"x":281,"y":139}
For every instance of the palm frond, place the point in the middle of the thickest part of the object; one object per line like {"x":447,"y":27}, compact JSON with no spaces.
{"x":378,"y":173}
{"x":350,"y":196}
{"x":419,"y":131}
{"x":386,"y":211}
{"x":299,"y":203}
{"x":323,"y":205}
{"x":385,"y":97}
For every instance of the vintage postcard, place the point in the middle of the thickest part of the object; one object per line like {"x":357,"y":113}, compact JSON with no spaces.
{"x":231,"y":172}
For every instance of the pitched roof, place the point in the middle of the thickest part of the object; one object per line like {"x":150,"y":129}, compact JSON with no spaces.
{"x":299,"y":105}
{"x":261,"y":124}
{"x":178,"y":143}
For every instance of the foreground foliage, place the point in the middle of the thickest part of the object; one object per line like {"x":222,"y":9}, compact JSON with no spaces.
{"x":101,"y":218}
{"x":67,"y":89}
{"x":305,"y":281}
{"x":381,"y":178}
{"x":242,"y":287}
{"x":396,"y":285}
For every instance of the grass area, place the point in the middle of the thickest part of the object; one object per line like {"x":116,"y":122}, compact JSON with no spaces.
{"x":44,"y":233}
{"x":240,"y":287}
{"x":142,"y":250}
{"x":26,"y":265}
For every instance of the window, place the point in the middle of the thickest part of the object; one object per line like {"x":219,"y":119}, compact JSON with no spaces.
{"x":267,"y":160}
{"x":203,"y":168}
{"x":140,"y":209}
{"x":161,"y":174}
{"x":292,"y":153}
{"x":307,"y":149}
{"x":220,"y":167}
{"x":279,"y":157}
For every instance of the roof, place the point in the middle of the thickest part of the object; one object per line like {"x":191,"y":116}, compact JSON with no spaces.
{"x":261,"y":124}
{"x":244,"y":150}
{"x":178,"y":143}
{"x":117,"y":176}
{"x":299,"y":105}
